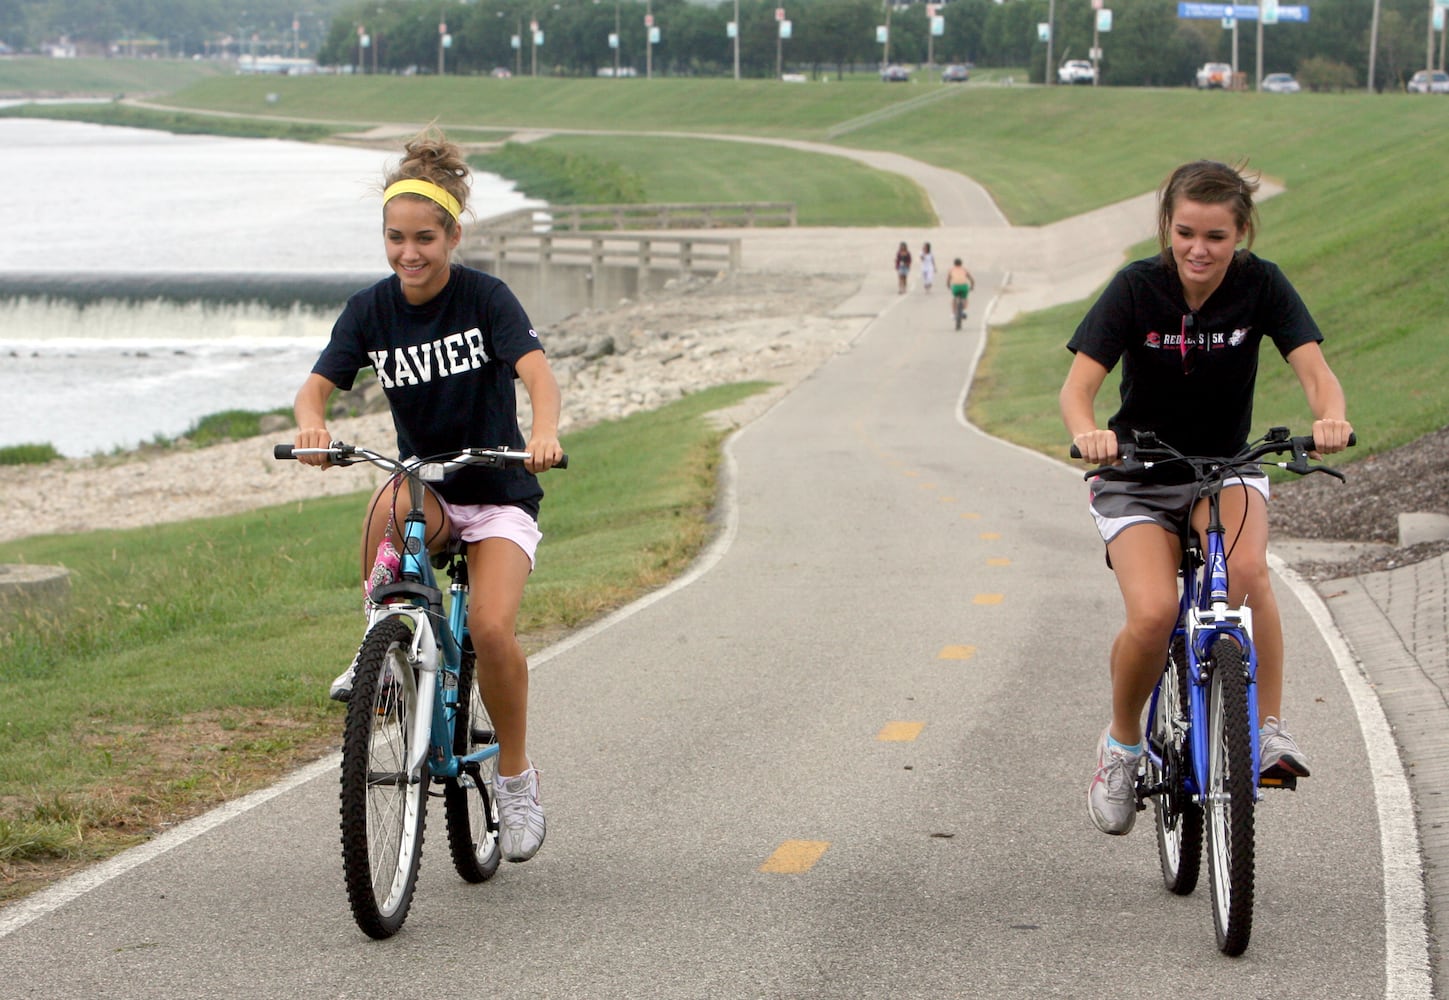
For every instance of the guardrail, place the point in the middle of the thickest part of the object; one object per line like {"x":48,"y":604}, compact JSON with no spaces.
{"x":586,"y":218}
{"x":646,"y":252}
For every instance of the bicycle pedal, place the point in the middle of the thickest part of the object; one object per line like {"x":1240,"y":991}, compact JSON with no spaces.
{"x":1277,"y":777}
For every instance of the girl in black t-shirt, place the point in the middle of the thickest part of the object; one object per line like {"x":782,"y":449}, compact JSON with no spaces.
{"x":447,"y":343}
{"x":1187,"y":326}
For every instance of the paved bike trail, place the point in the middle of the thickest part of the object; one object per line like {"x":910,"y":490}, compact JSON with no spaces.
{"x":848,"y":757}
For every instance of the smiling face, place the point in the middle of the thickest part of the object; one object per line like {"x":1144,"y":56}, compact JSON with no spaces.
{"x":1204,"y":236}
{"x":418,"y":246}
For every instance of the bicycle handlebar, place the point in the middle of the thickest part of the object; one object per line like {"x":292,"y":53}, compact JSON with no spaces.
{"x":340,"y":453}
{"x":1146,"y":451}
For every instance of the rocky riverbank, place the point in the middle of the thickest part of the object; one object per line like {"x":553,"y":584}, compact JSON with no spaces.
{"x":694,"y":334}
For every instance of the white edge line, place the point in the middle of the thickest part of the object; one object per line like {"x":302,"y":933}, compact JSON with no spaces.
{"x":53,"y":898}
{"x":1406,"y":945}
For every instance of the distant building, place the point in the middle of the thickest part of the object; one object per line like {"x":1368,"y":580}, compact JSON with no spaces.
{"x":276,"y":66}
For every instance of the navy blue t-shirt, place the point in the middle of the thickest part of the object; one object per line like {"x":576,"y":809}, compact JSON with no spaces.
{"x":447,"y":367}
{"x":1189,"y":375}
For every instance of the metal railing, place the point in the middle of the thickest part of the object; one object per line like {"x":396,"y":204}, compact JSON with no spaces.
{"x":588,"y":218}
{"x":705,"y":254}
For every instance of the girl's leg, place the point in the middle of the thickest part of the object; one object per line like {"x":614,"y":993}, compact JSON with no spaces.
{"x":1245,"y":523}
{"x":1145,"y":558}
{"x":389,"y":506}
{"x":497,"y":572}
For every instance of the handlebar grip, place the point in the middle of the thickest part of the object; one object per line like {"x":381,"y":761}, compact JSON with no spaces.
{"x":562,"y":463}
{"x":1076,"y":452}
{"x":282,"y":451}
{"x":1352,"y":439}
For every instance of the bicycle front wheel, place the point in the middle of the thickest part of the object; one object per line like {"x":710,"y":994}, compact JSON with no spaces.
{"x":1179,"y":816}
{"x":468,"y":798}
{"x":383,"y":813}
{"x":1230,"y":798}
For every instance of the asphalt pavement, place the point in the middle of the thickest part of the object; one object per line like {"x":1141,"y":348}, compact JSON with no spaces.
{"x":847,"y":754}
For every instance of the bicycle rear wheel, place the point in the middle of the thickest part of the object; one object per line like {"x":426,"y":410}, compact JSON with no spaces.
{"x":1230,"y":798}
{"x":958,"y":310}
{"x":383,"y":814}
{"x":468,"y":798}
{"x":1179,"y":816}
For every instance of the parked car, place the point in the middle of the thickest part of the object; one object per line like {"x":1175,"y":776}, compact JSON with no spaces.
{"x":1215,"y":76}
{"x":499,"y":73}
{"x":895,"y":74}
{"x":1427,"y":82}
{"x":1280,"y":83}
{"x":1076,"y":71}
{"x":955,"y":74}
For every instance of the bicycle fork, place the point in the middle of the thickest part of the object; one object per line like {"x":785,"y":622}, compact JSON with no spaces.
{"x":1204,"y":630}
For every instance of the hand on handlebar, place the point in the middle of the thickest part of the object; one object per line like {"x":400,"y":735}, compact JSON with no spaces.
{"x":544,"y":453}
{"x":315,"y":437}
{"x":1096,"y":447}
{"x":1330,"y":436}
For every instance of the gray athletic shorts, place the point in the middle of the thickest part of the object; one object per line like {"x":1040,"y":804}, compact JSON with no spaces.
{"x":1118,"y":504}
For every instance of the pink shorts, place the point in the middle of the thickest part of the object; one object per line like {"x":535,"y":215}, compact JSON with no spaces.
{"x":477,"y":521}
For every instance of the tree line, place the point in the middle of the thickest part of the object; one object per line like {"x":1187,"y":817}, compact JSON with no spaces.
{"x":1147,"y":45}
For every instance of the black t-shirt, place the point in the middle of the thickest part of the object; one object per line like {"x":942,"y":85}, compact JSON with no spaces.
{"x":447,"y":369}
{"x":1189,"y":376}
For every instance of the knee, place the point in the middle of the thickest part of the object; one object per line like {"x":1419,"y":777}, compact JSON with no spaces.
{"x":1151,"y":622}
{"x":492,"y":640}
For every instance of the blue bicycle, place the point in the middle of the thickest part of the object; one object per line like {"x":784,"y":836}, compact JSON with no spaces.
{"x":1201,"y":765}
{"x":415,"y":717}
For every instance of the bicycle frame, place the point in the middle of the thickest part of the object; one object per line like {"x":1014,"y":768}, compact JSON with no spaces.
{"x":436,"y":652}
{"x":1204,"y":616}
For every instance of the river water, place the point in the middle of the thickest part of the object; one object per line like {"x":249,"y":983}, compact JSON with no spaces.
{"x":149,"y":279}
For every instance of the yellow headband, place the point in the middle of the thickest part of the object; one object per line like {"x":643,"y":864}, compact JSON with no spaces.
{"x":428,"y":190}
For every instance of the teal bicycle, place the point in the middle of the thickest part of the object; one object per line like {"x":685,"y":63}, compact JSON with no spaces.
{"x":415,"y":718}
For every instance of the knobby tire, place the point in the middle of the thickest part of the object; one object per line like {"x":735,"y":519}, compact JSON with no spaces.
{"x":1231,"y":790}
{"x":1178,"y":814}
{"x":383,"y":814}
{"x":468,"y":799}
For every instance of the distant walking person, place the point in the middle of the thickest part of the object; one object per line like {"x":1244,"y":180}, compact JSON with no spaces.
{"x":928,"y":267}
{"x":903,"y":266}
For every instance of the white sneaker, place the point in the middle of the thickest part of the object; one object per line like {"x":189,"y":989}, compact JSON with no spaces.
{"x":520,"y":818}
{"x":1112,"y":795}
{"x":341,"y":689}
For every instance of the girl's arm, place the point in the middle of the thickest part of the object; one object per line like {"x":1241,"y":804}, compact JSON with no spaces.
{"x":1325,"y":398}
{"x":543,"y":394}
{"x":310,"y":409}
{"x":1079,"y":393}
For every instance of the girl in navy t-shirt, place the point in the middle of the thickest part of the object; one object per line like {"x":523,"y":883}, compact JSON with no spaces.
{"x":447,"y":343}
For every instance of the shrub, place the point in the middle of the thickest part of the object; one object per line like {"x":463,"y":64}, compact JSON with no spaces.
{"x":1321,"y":74}
{"x":28,"y":454}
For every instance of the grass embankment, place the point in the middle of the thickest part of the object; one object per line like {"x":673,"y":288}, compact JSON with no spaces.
{"x":192,"y":663}
{"x":37,"y":76}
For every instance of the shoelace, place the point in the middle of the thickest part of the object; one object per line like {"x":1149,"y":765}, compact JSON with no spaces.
{"x":513,"y":806}
{"x":1117,"y":774}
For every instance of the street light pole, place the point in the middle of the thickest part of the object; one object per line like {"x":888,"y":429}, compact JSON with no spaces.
{"x":737,"y":39}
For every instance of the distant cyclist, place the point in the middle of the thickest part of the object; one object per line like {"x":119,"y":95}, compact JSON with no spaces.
{"x":959,"y":280}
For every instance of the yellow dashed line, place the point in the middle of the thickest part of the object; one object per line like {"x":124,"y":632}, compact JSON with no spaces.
{"x":990,"y":536}
{"x":948,"y":499}
{"x":970,"y":516}
{"x":900,"y":732}
{"x":987,"y":599}
{"x":928,"y":486}
{"x":956,"y":653}
{"x":795,"y":857}
{"x":912,"y":473}
{"x":998,"y":561}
